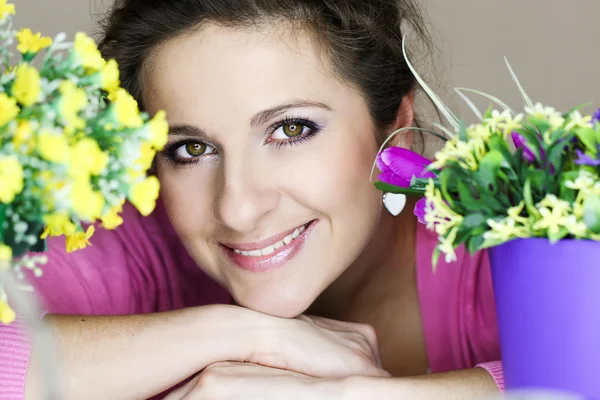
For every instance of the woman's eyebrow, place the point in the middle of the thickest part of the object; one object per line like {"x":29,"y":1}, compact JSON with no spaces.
{"x":268,"y":114}
{"x":187,"y":130}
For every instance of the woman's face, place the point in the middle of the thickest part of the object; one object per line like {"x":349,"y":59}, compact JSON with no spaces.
{"x":266,"y":174}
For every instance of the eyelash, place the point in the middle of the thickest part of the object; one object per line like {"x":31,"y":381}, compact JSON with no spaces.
{"x":313,"y":129}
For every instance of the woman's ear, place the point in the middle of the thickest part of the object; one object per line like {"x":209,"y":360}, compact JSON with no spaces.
{"x":405,"y":118}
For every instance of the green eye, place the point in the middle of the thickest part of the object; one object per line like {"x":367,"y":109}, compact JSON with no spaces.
{"x":195,"y":149}
{"x":292,"y":130}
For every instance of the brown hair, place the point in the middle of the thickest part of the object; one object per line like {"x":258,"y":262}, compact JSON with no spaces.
{"x":363,"y":38}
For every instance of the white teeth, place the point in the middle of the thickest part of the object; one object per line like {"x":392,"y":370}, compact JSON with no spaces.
{"x":267,"y":250}
{"x":271,"y":249}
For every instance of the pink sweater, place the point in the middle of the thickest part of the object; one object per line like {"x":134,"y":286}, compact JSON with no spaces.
{"x":142,"y":268}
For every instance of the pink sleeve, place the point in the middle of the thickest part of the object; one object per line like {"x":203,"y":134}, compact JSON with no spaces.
{"x":138,"y":268}
{"x":495,"y":369}
{"x":14,"y":357}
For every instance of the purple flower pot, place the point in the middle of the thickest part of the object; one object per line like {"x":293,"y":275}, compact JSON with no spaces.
{"x":548,"y":304}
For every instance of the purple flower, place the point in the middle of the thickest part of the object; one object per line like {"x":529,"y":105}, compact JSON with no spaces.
{"x":420,"y":210}
{"x":584,"y":159}
{"x":596,"y":117}
{"x":399,"y":165}
{"x":521,"y":143}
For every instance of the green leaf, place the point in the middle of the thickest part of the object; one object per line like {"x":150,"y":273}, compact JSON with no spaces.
{"x":474,"y":244}
{"x":487,"y":173}
{"x":588,"y":138}
{"x":493,"y":99}
{"x":469,"y":103}
{"x":488,"y":112}
{"x":462,"y":132}
{"x":556,"y":152}
{"x":578,"y":108}
{"x":466,"y":196}
{"x":591,"y":212}
{"x":540,"y":124}
{"x":444,"y":109}
{"x":444,"y":179}
{"x":561,"y":234}
{"x":435,"y":257}
{"x":3,"y":208}
{"x":557,"y":135}
{"x":384,"y":187}
{"x":524,"y":95}
{"x":474,"y":220}
{"x":528,"y":198}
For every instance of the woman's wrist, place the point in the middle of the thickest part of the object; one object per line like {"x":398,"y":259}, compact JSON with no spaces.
{"x":229,"y":333}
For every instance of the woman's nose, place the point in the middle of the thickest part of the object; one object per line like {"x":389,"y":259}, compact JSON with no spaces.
{"x":246,"y":195}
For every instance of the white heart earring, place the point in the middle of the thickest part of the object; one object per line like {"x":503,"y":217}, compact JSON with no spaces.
{"x":394,"y":203}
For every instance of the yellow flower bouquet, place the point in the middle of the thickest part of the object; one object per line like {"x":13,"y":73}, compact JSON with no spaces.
{"x":73,"y":147}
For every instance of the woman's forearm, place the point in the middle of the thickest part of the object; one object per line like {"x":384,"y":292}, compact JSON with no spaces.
{"x":138,"y":356}
{"x":474,"y":383}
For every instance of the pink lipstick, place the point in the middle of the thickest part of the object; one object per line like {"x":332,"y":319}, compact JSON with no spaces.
{"x":270,"y":253}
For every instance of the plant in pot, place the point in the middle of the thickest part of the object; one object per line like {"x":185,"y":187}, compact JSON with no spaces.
{"x":525,"y":186}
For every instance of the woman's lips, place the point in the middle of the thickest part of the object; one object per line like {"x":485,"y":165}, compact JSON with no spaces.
{"x":271,"y":253}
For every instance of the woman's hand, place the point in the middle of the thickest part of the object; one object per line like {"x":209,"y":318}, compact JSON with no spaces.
{"x":139,"y":356}
{"x":245,"y":381}
{"x":319,"y":347}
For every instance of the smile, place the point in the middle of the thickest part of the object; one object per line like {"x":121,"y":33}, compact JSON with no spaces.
{"x":270,"y":253}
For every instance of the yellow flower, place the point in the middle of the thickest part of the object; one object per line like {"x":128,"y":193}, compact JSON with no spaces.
{"x":86,"y":203}
{"x":554,"y":214}
{"x":7,"y":314}
{"x":438,"y":215}
{"x":8,"y":109}
{"x":79,"y":240}
{"x":58,"y":224}
{"x":5,"y":254}
{"x":6,"y":9}
{"x":515,"y":213}
{"x":112,"y":219}
{"x":576,"y":227}
{"x":479,"y":131}
{"x":27,"y":88}
{"x":110,"y":76}
{"x":23,"y":134}
{"x":584,"y":182}
{"x":504,"y":230}
{"x":53,"y":147}
{"x":548,"y":114}
{"x":143,"y":195}
{"x":86,"y":50}
{"x":146,"y":158}
{"x":11,"y":178}
{"x":576,"y":120}
{"x":30,"y":42}
{"x":87,"y":159}
{"x":503,"y":122}
{"x":72,"y":101}
{"x":159,"y":129}
{"x":446,"y":245}
{"x":126,"y":109}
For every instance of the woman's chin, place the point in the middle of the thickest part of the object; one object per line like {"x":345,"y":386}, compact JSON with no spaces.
{"x":276,"y":305}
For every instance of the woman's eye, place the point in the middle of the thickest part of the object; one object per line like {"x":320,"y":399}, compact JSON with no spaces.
{"x":290,"y":131}
{"x":193,"y":150}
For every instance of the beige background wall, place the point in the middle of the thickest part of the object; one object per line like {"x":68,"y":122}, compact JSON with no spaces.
{"x":554,"y":45}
